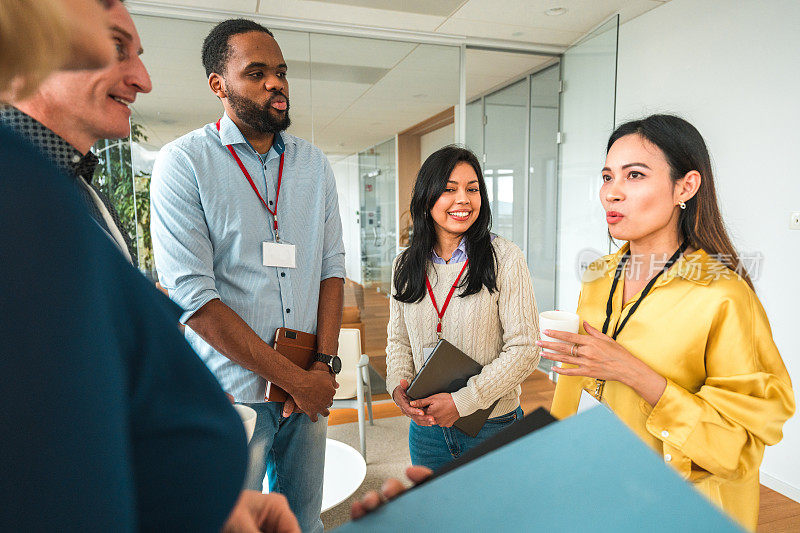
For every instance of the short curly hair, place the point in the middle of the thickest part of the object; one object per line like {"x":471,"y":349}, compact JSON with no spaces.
{"x":216,"y":51}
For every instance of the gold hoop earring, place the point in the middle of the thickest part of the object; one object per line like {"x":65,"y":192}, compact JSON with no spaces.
{"x":682,"y":205}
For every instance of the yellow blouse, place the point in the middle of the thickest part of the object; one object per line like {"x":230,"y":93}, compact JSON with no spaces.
{"x":728,"y":393}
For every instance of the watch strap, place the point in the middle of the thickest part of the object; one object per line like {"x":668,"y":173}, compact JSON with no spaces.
{"x":323,"y":358}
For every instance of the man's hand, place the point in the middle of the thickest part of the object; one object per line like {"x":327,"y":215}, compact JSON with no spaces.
{"x":440,"y":407}
{"x":312,"y":393}
{"x":290,"y":407}
{"x":402,"y":400}
{"x":391,"y":488}
{"x":255,"y":512}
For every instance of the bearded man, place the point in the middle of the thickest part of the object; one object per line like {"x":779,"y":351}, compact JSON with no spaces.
{"x":247,"y":238}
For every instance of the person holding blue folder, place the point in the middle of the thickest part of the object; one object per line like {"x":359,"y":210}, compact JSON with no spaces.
{"x":459,"y":282}
{"x":674,"y":339}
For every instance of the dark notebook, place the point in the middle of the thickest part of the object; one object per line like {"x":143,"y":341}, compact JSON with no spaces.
{"x":447,"y":370}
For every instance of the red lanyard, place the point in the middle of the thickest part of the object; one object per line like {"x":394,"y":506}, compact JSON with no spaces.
{"x":447,"y":301}
{"x":255,"y":189}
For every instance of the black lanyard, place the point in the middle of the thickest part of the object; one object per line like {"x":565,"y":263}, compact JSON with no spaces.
{"x":618,"y":274}
{"x":600,"y":383}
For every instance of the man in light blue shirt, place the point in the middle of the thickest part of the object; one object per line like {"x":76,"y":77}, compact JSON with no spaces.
{"x":234,"y":205}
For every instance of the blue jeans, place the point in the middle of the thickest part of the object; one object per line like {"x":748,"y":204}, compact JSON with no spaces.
{"x":291,"y":453}
{"x":435,"y":446}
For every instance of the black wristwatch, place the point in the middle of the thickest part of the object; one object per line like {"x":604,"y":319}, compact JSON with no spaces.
{"x":333,"y":361}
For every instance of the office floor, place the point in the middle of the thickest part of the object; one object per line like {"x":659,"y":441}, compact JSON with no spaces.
{"x":778,"y":514}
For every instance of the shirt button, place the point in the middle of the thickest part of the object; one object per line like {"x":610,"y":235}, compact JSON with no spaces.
{"x":283,"y":274}
{"x":288,"y":310}
{"x":667,"y":457}
{"x":76,"y":158}
{"x":665,"y":433}
{"x":270,"y":202}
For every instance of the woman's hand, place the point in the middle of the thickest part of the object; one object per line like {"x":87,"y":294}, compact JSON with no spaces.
{"x":391,"y":488}
{"x":598,"y":356}
{"x":402,"y":400}
{"x":439,"y":406}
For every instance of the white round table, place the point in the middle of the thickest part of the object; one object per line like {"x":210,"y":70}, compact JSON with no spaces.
{"x":345,"y":470}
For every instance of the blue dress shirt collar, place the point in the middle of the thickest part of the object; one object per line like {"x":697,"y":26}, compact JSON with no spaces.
{"x":229,"y":134}
{"x":459,"y":254}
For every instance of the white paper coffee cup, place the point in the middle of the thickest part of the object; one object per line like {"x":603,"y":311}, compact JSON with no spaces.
{"x":559,"y":321}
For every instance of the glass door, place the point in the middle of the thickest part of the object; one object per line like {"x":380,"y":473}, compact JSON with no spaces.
{"x":377,"y":177}
{"x":543,"y":185}
{"x":516,"y":138}
{"x":588,"y":100}
{"x":504,"y":167}
{"x":587,"y":108}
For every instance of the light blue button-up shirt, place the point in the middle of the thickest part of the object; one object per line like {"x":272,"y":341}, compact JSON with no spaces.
{"x":208,"y":227}
{"x":459,"y":254}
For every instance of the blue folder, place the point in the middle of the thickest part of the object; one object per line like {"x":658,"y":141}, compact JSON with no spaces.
{"x":586,"y":473}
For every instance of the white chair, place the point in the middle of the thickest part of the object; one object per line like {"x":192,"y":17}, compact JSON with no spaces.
{"x":354,"y":387}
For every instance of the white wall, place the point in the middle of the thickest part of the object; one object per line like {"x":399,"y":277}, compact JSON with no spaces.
{"x":430,"y":142}
{"x":733,"y":70}
{"x":347,"y":187}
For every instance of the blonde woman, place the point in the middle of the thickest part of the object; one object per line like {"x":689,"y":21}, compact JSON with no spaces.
{"x":40,"y":36}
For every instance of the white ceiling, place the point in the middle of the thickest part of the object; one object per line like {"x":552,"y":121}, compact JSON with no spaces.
{"x":348,"y":93}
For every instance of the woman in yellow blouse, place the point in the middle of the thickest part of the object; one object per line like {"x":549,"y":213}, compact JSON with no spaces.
{"x":687,"y":360}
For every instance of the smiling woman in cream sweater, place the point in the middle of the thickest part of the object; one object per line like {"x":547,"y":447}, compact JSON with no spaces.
{"x":491,"y":315}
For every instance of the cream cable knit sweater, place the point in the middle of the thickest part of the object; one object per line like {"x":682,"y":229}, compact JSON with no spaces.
{"x":497,"y":330}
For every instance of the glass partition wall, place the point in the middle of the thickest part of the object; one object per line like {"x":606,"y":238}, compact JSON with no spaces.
{"x":514,"y":131}
{"x":363,"y":93}
{"x":542,"y":201}
{"x":588,"y":71}
{"x":378,"y":184}
{"x":504,"y":130}
{"x":351,"y":96}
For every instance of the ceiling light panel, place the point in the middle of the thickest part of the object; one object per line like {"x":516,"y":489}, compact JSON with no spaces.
{"x":555,"y":11}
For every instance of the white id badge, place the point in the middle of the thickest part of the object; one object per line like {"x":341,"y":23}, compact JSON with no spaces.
{"x":426,"y":353}
{"x":587,"y":401}
{"x":278,"y":254}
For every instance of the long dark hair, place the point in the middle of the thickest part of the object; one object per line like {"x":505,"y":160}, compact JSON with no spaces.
{"x":700,"y":224}
{"x":412,"y":266}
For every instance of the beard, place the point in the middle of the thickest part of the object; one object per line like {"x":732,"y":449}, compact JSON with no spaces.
{"x":263,"y":119}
